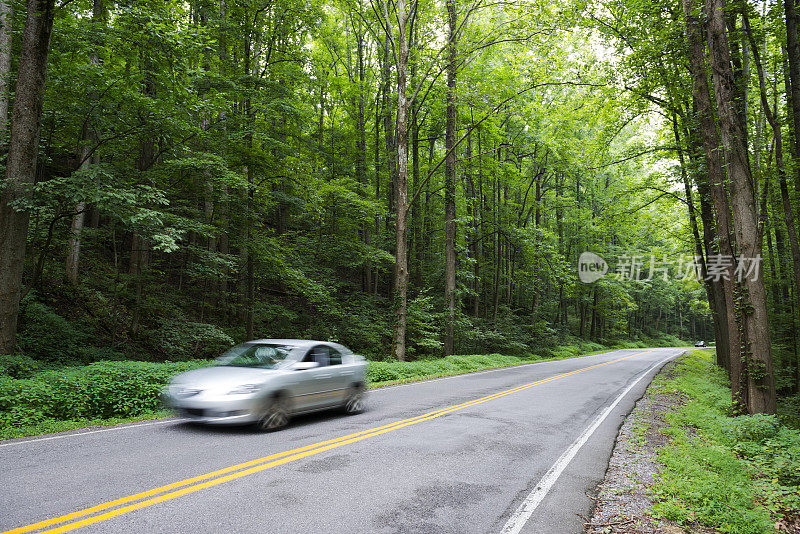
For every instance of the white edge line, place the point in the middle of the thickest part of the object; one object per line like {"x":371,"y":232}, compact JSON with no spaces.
{"x":525,"y":510}
{"x":109,"y":429}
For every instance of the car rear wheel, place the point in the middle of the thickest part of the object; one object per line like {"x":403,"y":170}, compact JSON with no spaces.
{"x":275,"y":415}
{"x":355,"y":400}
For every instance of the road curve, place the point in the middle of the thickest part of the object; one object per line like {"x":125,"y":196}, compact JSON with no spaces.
{"x":510,"y":450}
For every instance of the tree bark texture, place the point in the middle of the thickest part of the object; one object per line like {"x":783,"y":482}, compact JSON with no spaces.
{"x":450,"y":186}
{"x":757,"y":351}
{"x":21,"y":162}
{"x":716,"y":177}
{"x":401,"y":190}
{"x":6,"y":18}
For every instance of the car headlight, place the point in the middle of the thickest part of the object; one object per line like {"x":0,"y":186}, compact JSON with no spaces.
{"x":182,"y":392}
{"x":246,"y":389}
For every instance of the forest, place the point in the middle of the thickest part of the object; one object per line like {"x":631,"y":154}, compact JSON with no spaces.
{"x":414,"y":179}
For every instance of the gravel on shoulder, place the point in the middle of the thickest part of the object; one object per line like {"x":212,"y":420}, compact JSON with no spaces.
{"x":624,"y":496}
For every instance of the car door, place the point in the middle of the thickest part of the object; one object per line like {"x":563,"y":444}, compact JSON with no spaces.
{"x":341,"y":375}
{"x":317,"y":386}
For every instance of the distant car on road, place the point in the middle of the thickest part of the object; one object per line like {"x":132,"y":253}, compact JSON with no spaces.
{"x":268,"y":381}
{"x":700,"y":343}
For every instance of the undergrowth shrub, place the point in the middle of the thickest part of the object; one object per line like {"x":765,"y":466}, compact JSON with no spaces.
{"x":755,"y":428}
{"x":48,"y":337}
{"x":591,"y":346}
{"x":96,"y":391}
{"x":789,"y":411}
{"x":389,"y":371}
{"x":17,"y":365}
{"x":186,"y":340}
{"x":774,"y":452}
{"x":721,"y":471}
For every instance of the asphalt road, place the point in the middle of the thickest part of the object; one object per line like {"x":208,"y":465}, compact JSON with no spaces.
{"x":510,"y":450}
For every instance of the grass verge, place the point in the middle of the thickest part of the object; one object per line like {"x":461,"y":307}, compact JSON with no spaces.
{"x":734,"y":474}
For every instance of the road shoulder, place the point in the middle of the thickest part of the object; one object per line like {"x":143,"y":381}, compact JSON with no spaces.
{"x":683,"y":464}
{"x":623,"y":497}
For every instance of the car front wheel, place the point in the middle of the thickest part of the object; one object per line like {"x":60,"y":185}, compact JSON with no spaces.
{"x":275,"y":415}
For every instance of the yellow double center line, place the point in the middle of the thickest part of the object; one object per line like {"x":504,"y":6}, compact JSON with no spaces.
{"x":220,"y":476}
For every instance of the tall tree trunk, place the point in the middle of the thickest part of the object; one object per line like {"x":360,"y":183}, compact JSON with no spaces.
{"x":738,"y":61}
{"x":416,"y":229}
{"x":721,"y":331}
{"x":222,"y":245}
{"x":776,"y":132}
{"x":416,"y":208}
{"x":472,"y":232}
{"x":21,"y":162}
{"x":756,"y":336}
{"x":147,"y":143}
{"x":498,"y":243}
{"x":401,"y":188}
{"x":76,"y":228}
{"x":793,"y":57}
{"x":361,"y":165}
{"x":249,"y":285}
{"x":6,"y":19}
{"x":450,"y":185}
{"x":708,"y":284}
{"x":388,"y":128}
{"x":708,"y":131}
{"x":207,"y":295}
{"x":377,"y":155}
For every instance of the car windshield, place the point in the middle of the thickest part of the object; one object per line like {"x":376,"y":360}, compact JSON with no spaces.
{"x":265,"y":356}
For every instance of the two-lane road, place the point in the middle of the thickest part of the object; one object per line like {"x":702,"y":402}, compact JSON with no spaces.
{"x":509,"y":450}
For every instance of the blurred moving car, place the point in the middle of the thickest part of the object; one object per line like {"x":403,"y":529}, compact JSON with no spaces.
{"x":267,"y":381}
{"x":700,"y":343}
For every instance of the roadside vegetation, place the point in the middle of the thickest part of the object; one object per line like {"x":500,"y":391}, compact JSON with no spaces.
{"x":738,"y":474}
{"x":37,"y":400}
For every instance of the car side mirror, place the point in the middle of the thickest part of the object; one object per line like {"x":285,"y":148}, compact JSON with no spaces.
{"x":302,"y":366}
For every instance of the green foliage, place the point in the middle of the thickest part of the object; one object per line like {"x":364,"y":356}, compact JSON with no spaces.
{"x":755,"y":428}
{"x":789,"y":411}
{"x":186,"y":340}
{"x":720,"y":471}
{"x":98,"y":391}
{"x":49,"y":337}
{"x":380,"y":372}
{"x":774,"y":452}
{"x":18,"y":365}
{"x":225,"y":176}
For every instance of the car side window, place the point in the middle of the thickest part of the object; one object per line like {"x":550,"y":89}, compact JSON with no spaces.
{"x":335,"y":356}
{"x":318,"y":354}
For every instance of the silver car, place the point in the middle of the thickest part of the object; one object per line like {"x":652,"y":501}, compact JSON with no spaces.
{"x":267,"y":381}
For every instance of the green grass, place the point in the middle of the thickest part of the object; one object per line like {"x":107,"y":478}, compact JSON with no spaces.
{"x":724,"y":472}
{"x":48,"y":426}
{"x":382,"y":374}
{"x":638,"y":428}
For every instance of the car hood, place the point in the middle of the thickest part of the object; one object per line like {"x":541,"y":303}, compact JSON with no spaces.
{"x":222,"y":377}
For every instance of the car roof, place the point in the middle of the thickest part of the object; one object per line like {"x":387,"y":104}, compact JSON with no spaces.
{"x":303,"y":343}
